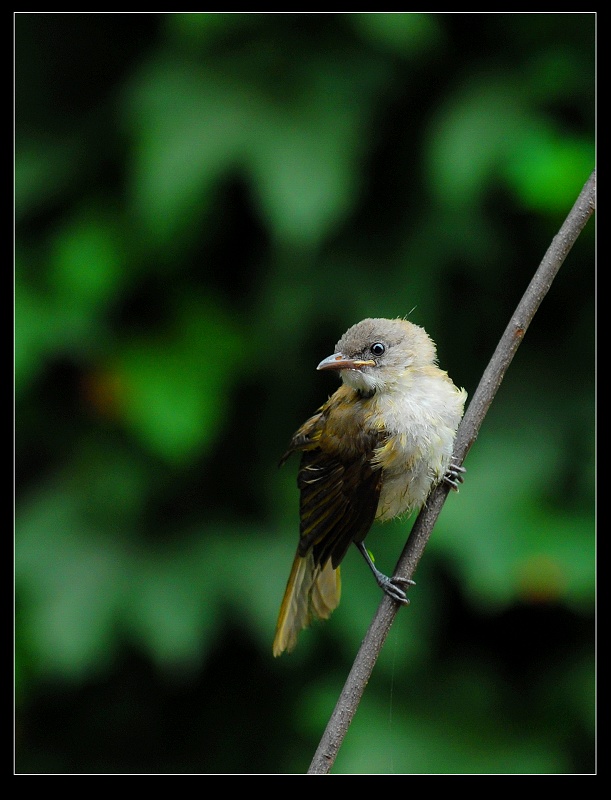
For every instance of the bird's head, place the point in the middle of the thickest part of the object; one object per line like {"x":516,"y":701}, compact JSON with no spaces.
{"x":375,"y":354}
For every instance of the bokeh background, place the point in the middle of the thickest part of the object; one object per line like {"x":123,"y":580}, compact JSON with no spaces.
{"x":204,"y":202}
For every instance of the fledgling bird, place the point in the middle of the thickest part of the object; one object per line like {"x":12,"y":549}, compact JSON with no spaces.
{"x":373,"y":451}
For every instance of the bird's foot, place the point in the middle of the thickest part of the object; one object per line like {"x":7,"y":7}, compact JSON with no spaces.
{"x":455,"y":475}
{"x":392,"y":587}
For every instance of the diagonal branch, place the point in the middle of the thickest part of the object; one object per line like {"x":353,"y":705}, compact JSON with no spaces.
{"x":366,"y":657}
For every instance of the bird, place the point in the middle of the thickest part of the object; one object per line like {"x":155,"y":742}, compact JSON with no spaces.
{"x":372,"y":452}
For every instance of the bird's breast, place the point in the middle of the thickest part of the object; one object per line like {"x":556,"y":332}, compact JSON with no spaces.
{"x":420,"y":424}
{"x":408,"y":433}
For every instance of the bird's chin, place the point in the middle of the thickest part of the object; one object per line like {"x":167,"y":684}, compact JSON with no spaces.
{"x":359,"y":380}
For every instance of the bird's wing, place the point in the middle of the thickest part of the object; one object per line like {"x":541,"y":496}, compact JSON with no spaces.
{"x":339,"y":486}
{"x":338,"y":504}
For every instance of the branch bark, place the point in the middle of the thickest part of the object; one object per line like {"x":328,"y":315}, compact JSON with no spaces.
{"x":366,"y":657}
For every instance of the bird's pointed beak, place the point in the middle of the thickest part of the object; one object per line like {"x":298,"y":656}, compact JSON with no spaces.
{"x":340,"y":361}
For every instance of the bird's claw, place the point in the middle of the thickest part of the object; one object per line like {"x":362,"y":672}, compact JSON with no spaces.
{"x":391,"y":587}
{"x":455,"y":475}
{"x":405,"y":581}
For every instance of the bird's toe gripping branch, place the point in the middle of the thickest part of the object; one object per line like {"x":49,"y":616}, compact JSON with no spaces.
{"x":455,"y":475}
{"x":390,"y":586}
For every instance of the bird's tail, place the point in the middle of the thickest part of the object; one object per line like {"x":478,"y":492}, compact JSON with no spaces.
{"x":311,"y":593}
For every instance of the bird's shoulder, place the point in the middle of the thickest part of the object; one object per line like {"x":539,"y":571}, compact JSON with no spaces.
{"x":342,"y":428}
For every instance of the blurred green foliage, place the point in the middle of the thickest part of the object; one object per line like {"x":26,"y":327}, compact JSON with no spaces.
{"x":204,"y":202}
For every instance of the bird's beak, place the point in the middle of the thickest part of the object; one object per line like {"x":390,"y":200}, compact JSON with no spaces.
{"x":339,"y":361}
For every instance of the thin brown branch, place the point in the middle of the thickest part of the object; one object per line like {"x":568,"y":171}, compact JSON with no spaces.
{"x":366,"y":657}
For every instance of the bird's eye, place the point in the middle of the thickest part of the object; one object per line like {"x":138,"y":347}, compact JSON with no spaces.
{"x":377,"y":349}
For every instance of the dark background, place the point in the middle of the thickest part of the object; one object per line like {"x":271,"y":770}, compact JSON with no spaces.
{"x":203,"y":204}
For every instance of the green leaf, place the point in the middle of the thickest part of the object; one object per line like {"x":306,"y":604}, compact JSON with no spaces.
{"x":406,"y":33}
{"x":547,"y":169}
{"x":173,"y":390}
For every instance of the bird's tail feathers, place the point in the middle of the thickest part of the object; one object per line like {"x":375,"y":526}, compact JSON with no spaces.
{"x":312,"y":592}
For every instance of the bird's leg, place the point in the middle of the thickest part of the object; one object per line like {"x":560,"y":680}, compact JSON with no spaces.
{"x":455,"y":475}
{"x":388,"y":585}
